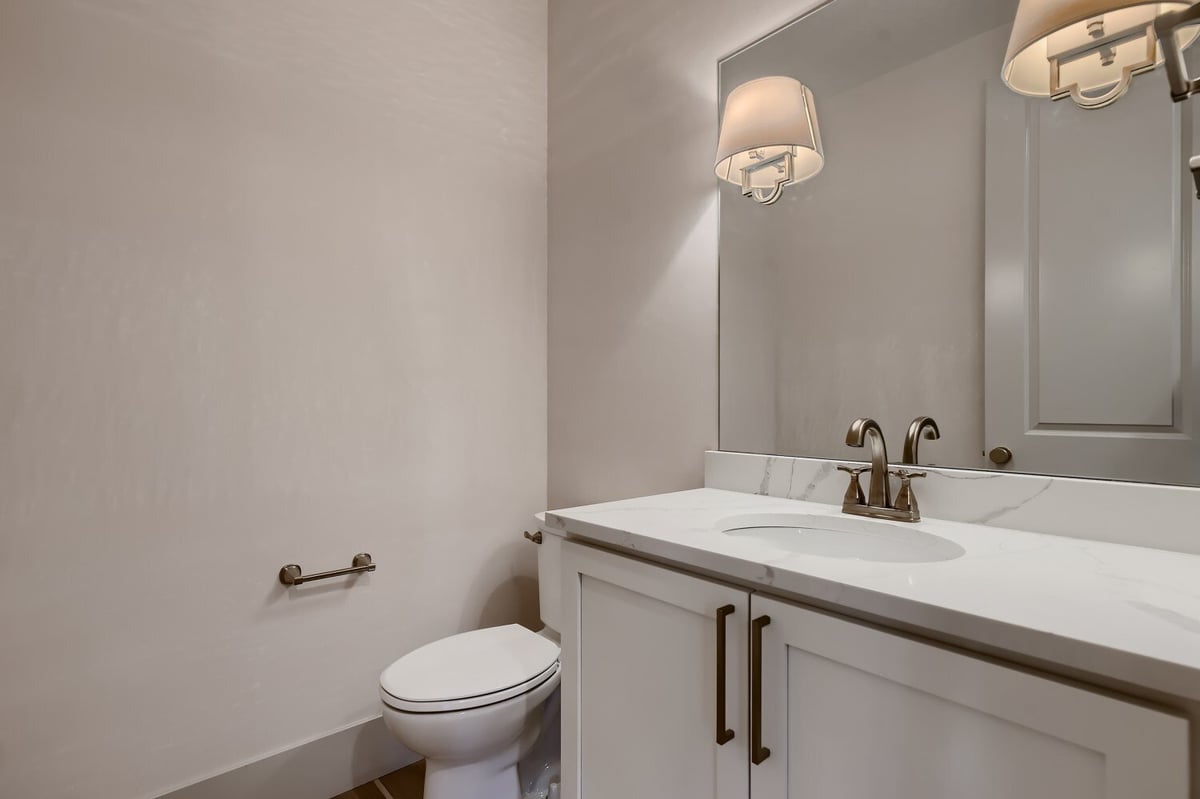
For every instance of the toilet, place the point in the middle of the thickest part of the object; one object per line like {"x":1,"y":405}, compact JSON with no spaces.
{"x":473,"y":704}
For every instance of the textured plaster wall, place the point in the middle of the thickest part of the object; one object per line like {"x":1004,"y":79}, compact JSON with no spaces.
{"x":272,"y":289}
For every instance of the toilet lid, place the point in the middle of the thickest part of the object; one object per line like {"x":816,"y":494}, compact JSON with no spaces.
{"x":471,"y":664}
{"x":549,"y":677}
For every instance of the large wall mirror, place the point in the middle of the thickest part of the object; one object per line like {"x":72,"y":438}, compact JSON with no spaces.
{"x":1019,"y":269}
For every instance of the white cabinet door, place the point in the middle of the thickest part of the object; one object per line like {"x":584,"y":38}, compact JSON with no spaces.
{"x":850,"y":712}
{"x":641,"y":696}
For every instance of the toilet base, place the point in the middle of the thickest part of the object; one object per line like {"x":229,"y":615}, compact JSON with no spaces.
{"x":474,"y":753}
{"x":494,"y":778}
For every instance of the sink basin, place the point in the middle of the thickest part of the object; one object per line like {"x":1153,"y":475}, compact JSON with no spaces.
{"x":847,"y":537}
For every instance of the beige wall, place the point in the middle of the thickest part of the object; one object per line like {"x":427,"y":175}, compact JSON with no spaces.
{"x":633,"y":238}
{"x":272,"y":289}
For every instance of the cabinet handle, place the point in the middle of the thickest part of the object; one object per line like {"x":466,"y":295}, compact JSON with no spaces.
{"x":758,"y":752}
{"x":724,"y":735}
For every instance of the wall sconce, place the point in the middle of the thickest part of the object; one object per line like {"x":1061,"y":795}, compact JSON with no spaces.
{"x":1088,"y":50}
{"x":769,"y":138}
{"x":1168,"y":26}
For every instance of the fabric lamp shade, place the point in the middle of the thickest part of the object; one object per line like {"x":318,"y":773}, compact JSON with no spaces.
{"x":769,"y":137}
{"x":1088,"y":50}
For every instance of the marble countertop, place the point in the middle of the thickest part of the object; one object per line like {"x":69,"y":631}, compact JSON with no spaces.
{"x":1127,"y":613}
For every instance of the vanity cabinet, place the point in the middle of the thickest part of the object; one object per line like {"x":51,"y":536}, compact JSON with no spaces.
{"x":640,"y":691}
{"x":848,"y":711}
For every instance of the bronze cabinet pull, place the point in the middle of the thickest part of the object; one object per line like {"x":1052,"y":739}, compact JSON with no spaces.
{"x":758,"y":752}
{"x":724,"y":735}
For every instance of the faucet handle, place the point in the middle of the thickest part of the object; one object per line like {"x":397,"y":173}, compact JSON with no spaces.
{"x":854,"y":493}
{"x":906,"y":500}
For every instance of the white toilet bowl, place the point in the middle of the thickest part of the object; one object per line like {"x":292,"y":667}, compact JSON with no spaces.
{"x":472,"y":705}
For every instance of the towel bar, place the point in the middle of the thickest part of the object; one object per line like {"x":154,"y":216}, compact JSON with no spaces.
{"x":292,"y":575}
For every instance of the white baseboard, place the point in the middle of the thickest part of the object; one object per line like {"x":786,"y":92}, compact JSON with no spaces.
{"x":319,"y":769}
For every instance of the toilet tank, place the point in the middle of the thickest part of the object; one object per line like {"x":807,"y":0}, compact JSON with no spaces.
{"x":550,"y":576}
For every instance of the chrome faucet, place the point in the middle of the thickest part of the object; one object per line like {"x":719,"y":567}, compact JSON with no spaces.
{"x":878,"y":502}
{"x":922,"y":424}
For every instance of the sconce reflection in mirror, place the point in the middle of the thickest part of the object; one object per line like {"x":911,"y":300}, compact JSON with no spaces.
{"x":769,"y":138}
{"x":1088,"y":50}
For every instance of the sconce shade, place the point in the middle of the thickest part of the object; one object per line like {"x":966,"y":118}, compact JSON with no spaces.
{"x":1088,"y":50}
{"x":769,"y":137}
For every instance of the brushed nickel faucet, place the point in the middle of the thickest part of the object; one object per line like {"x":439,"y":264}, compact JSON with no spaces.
{"x":921,"y":425}
{"x":878,"y":501}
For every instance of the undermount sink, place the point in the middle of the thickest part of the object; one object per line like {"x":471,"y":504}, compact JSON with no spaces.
{"x":841,"y":537}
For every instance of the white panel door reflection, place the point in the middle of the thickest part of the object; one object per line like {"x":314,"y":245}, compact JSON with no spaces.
{"x":1089,"y":307}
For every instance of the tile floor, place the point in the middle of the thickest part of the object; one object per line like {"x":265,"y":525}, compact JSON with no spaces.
{"x":403,"y":784}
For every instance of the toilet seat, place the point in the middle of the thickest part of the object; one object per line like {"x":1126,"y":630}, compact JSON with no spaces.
{"x":470,"y":670}
{"x":470,"y":702}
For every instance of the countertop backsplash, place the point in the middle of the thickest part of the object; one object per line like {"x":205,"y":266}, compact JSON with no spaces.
{"x":1140,"y":514}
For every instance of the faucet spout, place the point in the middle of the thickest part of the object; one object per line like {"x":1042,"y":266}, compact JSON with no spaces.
{"x":861,"y":431}
{"x":921,"y":427}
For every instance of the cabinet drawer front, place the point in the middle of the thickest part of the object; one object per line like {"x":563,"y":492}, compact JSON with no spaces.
{"x":852,"y":712}
{"x":640,"y":692}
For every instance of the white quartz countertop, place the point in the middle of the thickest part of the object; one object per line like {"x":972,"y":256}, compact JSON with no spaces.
{"x":1128,"y":613}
